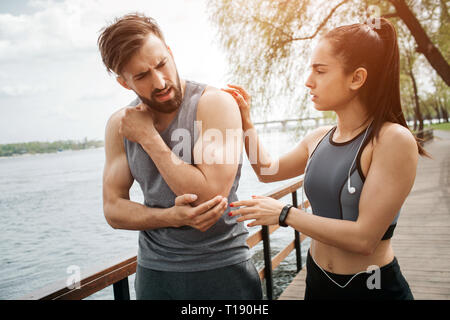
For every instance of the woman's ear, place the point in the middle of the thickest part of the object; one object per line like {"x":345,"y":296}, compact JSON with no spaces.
{"x":359,"y":78}
{"x":122,"y":82}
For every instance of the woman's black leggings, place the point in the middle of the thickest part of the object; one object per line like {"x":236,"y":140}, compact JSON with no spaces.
{"x":386,"y":283}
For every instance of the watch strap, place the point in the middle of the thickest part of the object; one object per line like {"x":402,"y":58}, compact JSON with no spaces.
{"x":284,"y":214}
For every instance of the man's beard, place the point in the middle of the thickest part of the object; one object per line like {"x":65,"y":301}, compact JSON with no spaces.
{"x":168,"y":106}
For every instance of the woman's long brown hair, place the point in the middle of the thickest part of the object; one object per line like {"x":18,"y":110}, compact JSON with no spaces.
{"x":374,"y":48}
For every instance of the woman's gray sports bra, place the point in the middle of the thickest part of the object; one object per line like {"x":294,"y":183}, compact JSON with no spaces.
{"x":326,"y":178}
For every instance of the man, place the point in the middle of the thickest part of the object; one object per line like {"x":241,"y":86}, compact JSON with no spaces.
{"x":189,"y":247}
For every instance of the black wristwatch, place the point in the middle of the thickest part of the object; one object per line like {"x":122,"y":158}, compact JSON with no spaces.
{"x":283,"y":215}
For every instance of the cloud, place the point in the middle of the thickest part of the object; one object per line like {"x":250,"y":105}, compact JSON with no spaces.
{"x":51,"y":70}
{"x":57,"y":28}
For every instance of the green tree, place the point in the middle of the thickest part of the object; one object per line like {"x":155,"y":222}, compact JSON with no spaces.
{"x":408,"y":60}
{"x":268,"y":42}
{"x":441,"y":98}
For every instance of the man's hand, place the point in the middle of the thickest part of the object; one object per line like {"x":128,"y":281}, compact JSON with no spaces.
{"x":137,"y":123}
{"x":202,"y":217}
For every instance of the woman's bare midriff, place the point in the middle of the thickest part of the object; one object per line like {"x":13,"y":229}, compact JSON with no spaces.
{"x":339,"y":261}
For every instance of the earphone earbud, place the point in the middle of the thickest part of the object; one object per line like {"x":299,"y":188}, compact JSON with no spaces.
{"x":351,"y":189}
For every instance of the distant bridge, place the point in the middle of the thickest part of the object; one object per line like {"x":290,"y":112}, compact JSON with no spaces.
{"x":317,"y":121}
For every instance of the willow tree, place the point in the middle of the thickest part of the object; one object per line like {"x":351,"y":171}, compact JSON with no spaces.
{"x":414,"y":67}
{"x":268,"y":42}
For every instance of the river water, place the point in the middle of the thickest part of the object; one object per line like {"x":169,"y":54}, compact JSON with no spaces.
{"x":51,"y":219}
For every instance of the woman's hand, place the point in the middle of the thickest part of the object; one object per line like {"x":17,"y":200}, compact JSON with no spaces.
{"x":243,"y":100}
{"x":264,"y":210}
{"x":201,"y":217}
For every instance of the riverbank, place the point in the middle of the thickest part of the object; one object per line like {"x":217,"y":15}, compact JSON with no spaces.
{"x":36,"y":147}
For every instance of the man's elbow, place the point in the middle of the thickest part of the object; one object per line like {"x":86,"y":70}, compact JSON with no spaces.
{"x":223,"y":189}
{"x":267,"y":173}
{"x":203,"y":197}
{"x":111,"y":221}
{"x":264,"y":178}
{"x":213,"y":190}
{"x":108,"y":211}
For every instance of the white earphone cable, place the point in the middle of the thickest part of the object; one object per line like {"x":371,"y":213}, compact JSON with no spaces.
{"x":351,"y":189}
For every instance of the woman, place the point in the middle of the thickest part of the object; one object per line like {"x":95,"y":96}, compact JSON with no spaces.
{"x":358,"y":173}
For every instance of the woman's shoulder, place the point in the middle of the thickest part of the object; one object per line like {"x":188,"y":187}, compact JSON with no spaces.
{"x":396,"y":137}
{"x":318,"y":132}
{"x":313,"y":138}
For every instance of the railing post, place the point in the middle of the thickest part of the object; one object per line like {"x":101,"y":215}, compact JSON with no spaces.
{"x":267,"y":262}
{"x":298,"y":244}
{"x":121,"y":290}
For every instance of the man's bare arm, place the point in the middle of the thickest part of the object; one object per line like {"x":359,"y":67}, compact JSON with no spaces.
{"x":216,"y":153}
{"x":121,"y":213}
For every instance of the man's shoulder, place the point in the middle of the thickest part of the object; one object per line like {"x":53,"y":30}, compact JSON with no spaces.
{"x":218,"y":109}
{"x":212,"y":93}
{"x":114,"y":118}
{"x":113,"y":137}
{"x":215,"y":100}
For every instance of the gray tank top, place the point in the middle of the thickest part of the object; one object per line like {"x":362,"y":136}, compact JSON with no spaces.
{"x":326,"y":179}
{"x":183,"y":249}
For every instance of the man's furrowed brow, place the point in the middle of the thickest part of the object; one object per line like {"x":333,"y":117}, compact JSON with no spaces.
{"x":140,"y":74}
{"x":160,"y":64}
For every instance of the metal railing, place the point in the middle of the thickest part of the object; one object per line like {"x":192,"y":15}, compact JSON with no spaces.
{"x":272,"y":264}
{"x":117,"y":273}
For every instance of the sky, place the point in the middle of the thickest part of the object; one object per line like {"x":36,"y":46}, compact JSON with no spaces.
{"x":53,"y":84}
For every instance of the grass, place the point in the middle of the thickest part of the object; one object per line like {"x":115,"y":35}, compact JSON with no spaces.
{"x":440,"y":126}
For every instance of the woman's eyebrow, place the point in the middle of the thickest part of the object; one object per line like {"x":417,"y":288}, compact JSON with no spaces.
{"x":316,"y":65}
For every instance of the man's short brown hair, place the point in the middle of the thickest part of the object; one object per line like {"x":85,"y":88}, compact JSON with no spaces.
{"x":119,"y":41}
